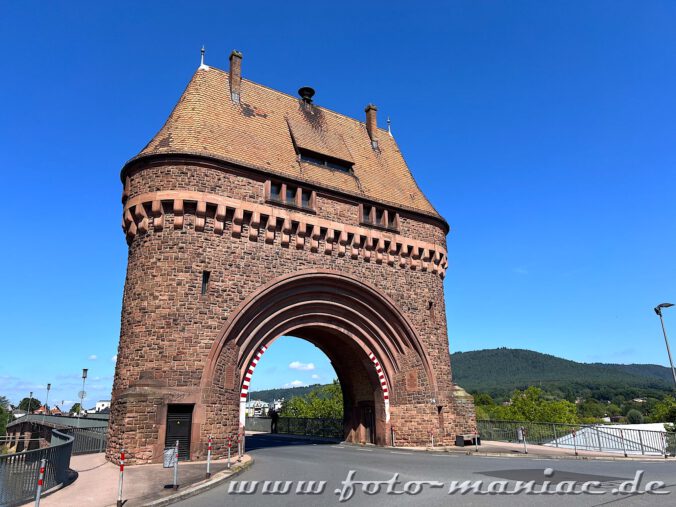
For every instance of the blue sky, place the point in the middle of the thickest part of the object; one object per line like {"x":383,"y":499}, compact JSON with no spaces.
{"x":543,"y":132}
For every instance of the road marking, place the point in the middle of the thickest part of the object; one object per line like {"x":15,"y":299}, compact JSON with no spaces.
{"x":399,"y":452}
{"x":367,"y":450}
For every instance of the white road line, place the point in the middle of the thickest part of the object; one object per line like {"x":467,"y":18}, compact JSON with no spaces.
{"x":399,"y":452}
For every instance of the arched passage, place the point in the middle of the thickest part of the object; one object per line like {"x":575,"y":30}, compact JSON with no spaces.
{"x":360,"y":329}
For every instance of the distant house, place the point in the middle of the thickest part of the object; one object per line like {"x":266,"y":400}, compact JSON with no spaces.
{"x":101,"y":407}
{"x":257,"y":408}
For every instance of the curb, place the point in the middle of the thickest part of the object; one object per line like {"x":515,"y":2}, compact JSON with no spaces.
{"x":643,"y":459}
{"x":202,"y":486}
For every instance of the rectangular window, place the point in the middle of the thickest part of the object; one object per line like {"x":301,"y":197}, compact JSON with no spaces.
{"x":366,"y":215}
{"x":391,"y":220}
{"x":380,"y":213}
{"x":306,"y":197}
{"x":290,"y":195}
{"x":275,"y":191}
{"x":205,"y":281}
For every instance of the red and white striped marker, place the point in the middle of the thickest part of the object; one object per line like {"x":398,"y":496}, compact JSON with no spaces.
{"x":246,"y":382}
{"x":229,"y":447}
{"x":209,"y":457}
{"x":41,"y":481}
{"x":121,"y":479}
{"x":383,"y":384}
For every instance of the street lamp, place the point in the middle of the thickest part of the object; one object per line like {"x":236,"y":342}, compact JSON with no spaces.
{"x":49,"y":386}
{"x":30,"y":402}
{"x":82,"y":394}
{"x":658,"y":311}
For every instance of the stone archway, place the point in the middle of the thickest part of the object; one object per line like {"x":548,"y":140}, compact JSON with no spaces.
{"x":359,"y":328}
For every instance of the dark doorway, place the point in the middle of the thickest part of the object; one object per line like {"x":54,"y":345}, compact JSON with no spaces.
{"x":179,"y":423}
{"x":368,"y":420}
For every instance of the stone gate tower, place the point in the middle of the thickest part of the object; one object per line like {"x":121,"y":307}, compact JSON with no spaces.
{"x":254,"y":214}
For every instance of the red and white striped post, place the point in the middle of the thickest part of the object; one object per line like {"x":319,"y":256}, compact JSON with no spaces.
{"x":240,"y":444}
{"x":121,"y":479}
{"x":41,"y":481}
{"x":392,"y":439}
{"x":209,"y":457}
{"x":229,"y":446}
{"x":432,"y":437}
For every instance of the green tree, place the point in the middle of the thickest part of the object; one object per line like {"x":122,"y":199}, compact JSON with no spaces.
{"x":74,"y":409}
{"x":634,"y":417}
{"x":483,"y":399}
{"x":531,"y":405}
{"x":322,"y":402}
{"x":664,"y":410}
{"x":34,"y":404}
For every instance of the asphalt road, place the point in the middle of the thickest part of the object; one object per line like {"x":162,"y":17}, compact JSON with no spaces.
{"x":279,"y":458}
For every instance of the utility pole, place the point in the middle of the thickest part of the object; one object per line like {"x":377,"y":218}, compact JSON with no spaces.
{"x":658,"y":311}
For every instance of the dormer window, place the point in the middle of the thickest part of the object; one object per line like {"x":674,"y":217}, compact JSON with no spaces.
{"x":375,"y":216}
{"x":290,"y":195}
{"x":324,"y":161}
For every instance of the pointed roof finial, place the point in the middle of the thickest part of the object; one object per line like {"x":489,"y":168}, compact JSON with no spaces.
{"x":202,"y":66}
{"x":389,"y":126}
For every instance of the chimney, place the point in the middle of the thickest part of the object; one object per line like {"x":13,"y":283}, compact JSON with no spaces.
{"x":372,"y":124}
{"x":235,"y":75}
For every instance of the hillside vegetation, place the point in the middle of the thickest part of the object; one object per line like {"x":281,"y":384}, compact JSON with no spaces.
{"x":500,"y":371}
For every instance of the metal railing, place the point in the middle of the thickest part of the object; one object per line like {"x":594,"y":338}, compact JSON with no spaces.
{"x":600,"y":438}
{"x":19,"y":471}
{"x":324,"y":427}
{"x":88,"y":440}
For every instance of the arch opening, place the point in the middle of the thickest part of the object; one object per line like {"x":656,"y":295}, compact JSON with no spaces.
{"x":365,"y":394}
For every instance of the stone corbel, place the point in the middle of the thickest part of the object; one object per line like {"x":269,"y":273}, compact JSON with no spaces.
{"x":219,"y":218}
{"x":237,"y":223}
{"x":286,"y":232}
{"x":200,"y":215}
{"x":380,"y":248}
{"x":354,"y":250}
{"x":314,"y":238}
{"x":178,"y":213}
{"x":131,"y":231}
{"x":254,"y":225}
{"x":158,"y":215}
{"x":270,"y":228}
{"x":403,"y":254}
{"x":342,"y":241}
{"x":328,"y":241}
{"x":425,"y":259}
{"x":300,"y":235}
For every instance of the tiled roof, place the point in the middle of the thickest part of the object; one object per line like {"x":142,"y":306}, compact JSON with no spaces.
{"x":257,"y":133}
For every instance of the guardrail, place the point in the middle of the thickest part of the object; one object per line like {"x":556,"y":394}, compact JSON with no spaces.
{"x":88,"y":440}
{"x":19,"y":471}
{"x":600,"y":438}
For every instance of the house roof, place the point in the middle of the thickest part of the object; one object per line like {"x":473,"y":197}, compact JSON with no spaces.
{"x":264,"y":129}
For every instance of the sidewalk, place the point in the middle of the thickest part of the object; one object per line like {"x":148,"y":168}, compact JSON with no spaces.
{"x":96,"y":485}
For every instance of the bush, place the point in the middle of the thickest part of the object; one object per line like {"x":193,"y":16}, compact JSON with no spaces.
{"x":634,"y":417}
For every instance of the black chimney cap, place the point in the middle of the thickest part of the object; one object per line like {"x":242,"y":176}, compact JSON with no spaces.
{"x":306,"y":93}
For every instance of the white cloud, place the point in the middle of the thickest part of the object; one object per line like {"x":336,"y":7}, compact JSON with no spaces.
{"x":297,"y":365}
{"x":114,"y":358}
{"x":295,"y":383}
{"x":315,"y":376}
{"x":92,"y":357}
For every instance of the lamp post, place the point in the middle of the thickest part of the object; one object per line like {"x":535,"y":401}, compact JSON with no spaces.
{"x":658,"y":311}
{"x":49,"y":386}
{"x":82,"y":394}
{"x":30,"y":402}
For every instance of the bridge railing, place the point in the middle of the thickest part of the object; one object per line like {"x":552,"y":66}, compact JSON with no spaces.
{"x":314,"y":427}
{"x":600,"y":438}
{"x":19,"y":471}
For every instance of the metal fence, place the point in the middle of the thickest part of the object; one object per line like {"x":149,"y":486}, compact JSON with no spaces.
{"x":600,"y":438}
{"x":331,"y":428}
{"x":19,"y":471}
{"x":88,"y":440}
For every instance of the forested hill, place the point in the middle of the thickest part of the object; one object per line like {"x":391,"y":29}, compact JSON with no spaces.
{"x":270,"y":395}
{"x":500,"y":371}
